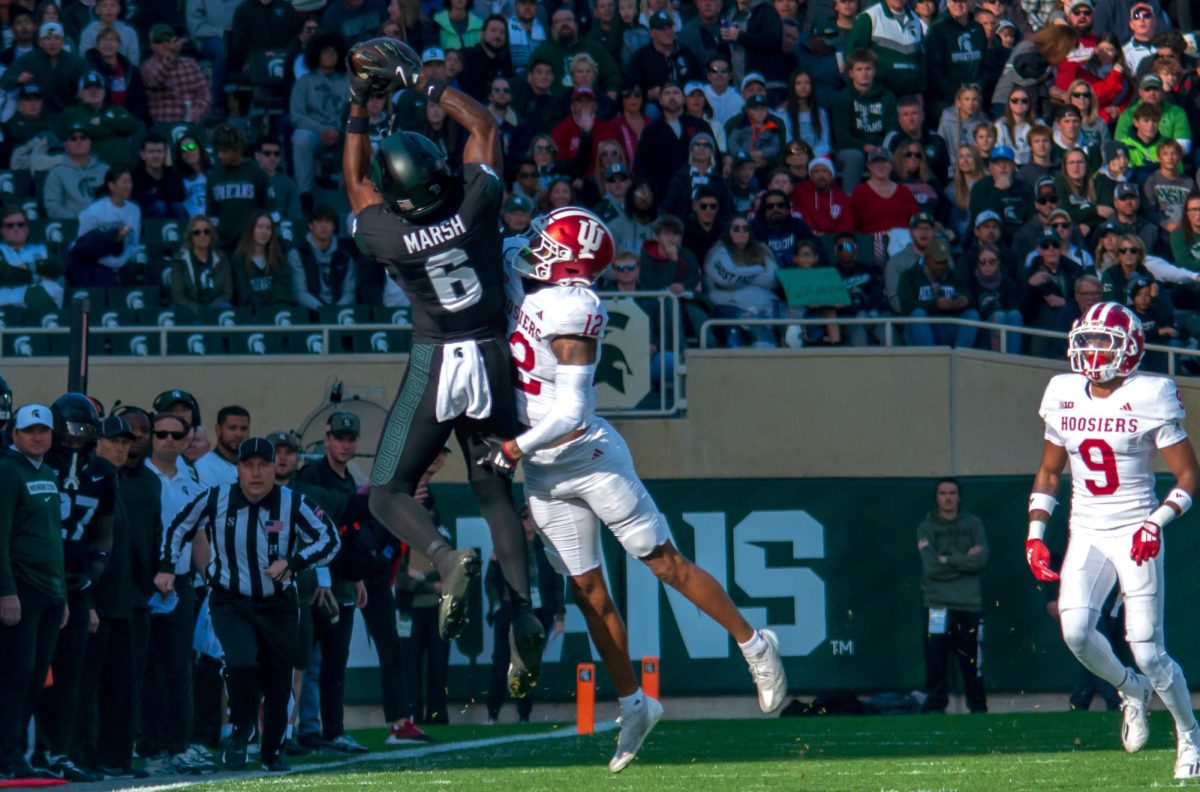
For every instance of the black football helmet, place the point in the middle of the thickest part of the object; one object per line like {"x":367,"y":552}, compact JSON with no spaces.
{"x":76,"y":423}
{"x":6,"y":403}
{"x":167,"y":398}
{"x":412,"y":175}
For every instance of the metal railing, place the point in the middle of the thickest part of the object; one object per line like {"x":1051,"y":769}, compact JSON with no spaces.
{"x":890,"y":323}
{"x":669,"y":398}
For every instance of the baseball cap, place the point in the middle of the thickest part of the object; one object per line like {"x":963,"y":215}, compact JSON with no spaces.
{"x":751,"y":78}
{"x":692,"y":87}
{"x":827,"y":29}
{"x":1060,"y":213}
{"x":91,"y":79}
{"x":616,"y":169}
{"x":282,"y":438}
{"x":756,"y":100}
{"x":518,"y":203}
{"x":986,"y":216}
{"x":1124,"y":190}
{"x":938,"y":250}
{"x":343,"y":423}
{"x":33,"y":415}
{"x":30,"y":91}
{"x":1003,"y":153}
{"x":50,"y":29}
{"x":256,"y":446}
{"x":1005,"y":23}
{"x":79,"y":127}
{"x":920,"y":217}
{"x":433,"y":55}
{"x":165,"y":400}
{"x":1049,"y":236}
{"x":741,"y":158}
{"x":162,"y":33}
{"x":583,"y":92}
{"x":1045,"y":184}
{"x":1076,"y":3}
{"x":1151,"y":81}
{"x":661,"y":20}
{"x":1136,"y":284}
{"x":114,"y":426}
{"x":1141,"y":6}
{"x":878,"y":153}
{"x":1109,"y":227}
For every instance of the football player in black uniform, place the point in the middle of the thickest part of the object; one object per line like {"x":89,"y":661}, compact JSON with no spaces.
{"x":6,"y":411}
{"x":87,"y":488}
{"x":441,"y":231}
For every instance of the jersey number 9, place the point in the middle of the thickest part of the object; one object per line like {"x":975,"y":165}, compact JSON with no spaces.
{"x":1098,"y":455}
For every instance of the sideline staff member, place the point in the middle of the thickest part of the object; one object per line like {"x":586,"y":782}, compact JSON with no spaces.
{"x":261,"y":535}
{"x":33,"y":587}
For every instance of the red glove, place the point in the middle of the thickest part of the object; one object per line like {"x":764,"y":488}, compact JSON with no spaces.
{"x":1038,"y":556}
{"x":1146,"y":542}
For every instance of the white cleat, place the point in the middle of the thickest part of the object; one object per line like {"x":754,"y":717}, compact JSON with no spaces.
{"x":1187,"y":756}
{"x":1135,"y":724}
{"x":768,"y":673}
{"x":634,"y":730}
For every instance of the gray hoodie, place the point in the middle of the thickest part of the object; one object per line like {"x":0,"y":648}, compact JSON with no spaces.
{"x":318,"y":101}
{"x":71,"y":188}
{"x":210,"y":18}
{"x":749,"y":287}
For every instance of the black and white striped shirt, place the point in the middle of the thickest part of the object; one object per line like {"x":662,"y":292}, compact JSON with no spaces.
{"x":246,"y":538}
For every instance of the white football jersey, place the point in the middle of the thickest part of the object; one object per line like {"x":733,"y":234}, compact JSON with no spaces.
{"x":534,"y":320}
{"x":1112,"y":443}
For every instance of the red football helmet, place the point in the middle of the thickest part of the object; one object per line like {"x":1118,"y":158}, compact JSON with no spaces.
{"x":567,"y":245}
{"x":1106,"y":342}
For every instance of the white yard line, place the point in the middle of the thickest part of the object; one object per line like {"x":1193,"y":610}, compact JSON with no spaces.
{"x":374,"y":756}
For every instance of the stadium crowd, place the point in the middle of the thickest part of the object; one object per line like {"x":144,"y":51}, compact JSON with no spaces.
{"x":135,"y":677}
{"x":986,"y":159}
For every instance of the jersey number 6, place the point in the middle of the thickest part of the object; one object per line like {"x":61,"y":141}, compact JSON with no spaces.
{"x":1098,"y":456}
{"x":457,"y":287}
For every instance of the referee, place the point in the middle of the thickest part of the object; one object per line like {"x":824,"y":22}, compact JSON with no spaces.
{"x":260,"y":535}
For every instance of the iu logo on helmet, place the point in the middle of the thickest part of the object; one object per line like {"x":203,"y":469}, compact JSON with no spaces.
{"x":591,"y":237}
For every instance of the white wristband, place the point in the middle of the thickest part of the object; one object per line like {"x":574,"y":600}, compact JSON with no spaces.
{"x":1041,"y":501}
{"x":1176,"y":499}
{"x":1037,"y":529}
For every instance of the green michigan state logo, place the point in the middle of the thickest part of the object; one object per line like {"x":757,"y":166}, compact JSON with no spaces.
{"x":623,"y":374}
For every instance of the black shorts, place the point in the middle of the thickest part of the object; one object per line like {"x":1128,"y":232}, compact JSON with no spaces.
{"x":413,"y":436}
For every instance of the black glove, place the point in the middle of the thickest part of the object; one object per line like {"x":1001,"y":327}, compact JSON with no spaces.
{"x":496,"y":458}
{"x":381,"y":65}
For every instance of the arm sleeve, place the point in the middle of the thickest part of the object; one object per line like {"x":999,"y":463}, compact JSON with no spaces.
{"x":574,"y":397}
{"x":320,"y":538}
{"x":1164,"y":270}
{"x":182,"y":530}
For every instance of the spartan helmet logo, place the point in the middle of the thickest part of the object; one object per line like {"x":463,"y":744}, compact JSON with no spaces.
{"x":285,"y":230}
{"x":195,"y":344}
{"x":50,"y":321}
{"x":166,"y":318}
{"x":315,"y":346}
{"x":591,"y":237}
{"x":206,"y":280}
{"x":23,"y":346}
{"x":275,"y":68}
{"x":170,"y":232}
{"x":141,"y":257}
{"x":2,"y":322}
{"x":400,"y":317}
{"x":31,"y":209}
{"x":283,"y":319}
{"x":256,"y":344}
{"x":345,"y":317}
{"x":54,"y":232}
{"x":225,"y":319}
{"x":964,"y":43}
{"x":135,"y":300}
{"x":177,"y":132}
{"x":109,"y":319}
{"x":379,"y":342}
{"x":139,"y":347}
{"x":6,"y":183}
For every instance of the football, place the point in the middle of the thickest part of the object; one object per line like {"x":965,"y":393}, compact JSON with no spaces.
{"x":386,"y":62}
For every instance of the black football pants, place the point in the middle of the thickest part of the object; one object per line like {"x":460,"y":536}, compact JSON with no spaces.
{"x":167,"y":693}
{"x":59,"y":706}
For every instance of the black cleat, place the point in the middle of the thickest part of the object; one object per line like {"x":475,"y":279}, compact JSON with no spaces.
{"x":452,"y":608}
{"x":526,"y":639}
{"x":235,"y":751}
{"x":275,"y":765}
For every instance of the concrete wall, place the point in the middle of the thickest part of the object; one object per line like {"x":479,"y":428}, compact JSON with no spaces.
{"x":751,"y":413}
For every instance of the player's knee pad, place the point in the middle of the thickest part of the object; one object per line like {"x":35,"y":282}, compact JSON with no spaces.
{"x":1078,"y":626}
{"x":1154,"y":662}
{"x":1142,"y":620}
{"x":640,"y":538}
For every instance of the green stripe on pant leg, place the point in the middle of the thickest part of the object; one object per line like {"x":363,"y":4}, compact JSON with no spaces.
{"x":395,"y":434}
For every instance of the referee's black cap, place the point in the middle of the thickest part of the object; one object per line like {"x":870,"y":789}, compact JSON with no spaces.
{"x":256,"y":446}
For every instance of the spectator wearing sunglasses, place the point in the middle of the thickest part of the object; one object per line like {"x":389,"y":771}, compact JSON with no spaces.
{"x":1045,"y":283}
{"x":200,"y":273}
{"x":1127,"y":201}
{"x":703,"y":169}
{"x":1131,"y":265}
{"x":1046,"y":202}
{"x":19,"y":260}
{"x":779,"y":229}
{"x":191,"y":161}
{"x":69,"y":186}
{"x":1152,"y":88}
{"x":268,"y":153}
{"x":1118,"y":16}
{"x":1142,"y":27}
{"x":703,"y":226}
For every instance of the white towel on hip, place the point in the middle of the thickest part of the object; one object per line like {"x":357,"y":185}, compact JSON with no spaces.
{"x":463,"y":383}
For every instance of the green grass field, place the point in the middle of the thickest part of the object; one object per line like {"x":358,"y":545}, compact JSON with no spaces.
{"x":1059,"y":751}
